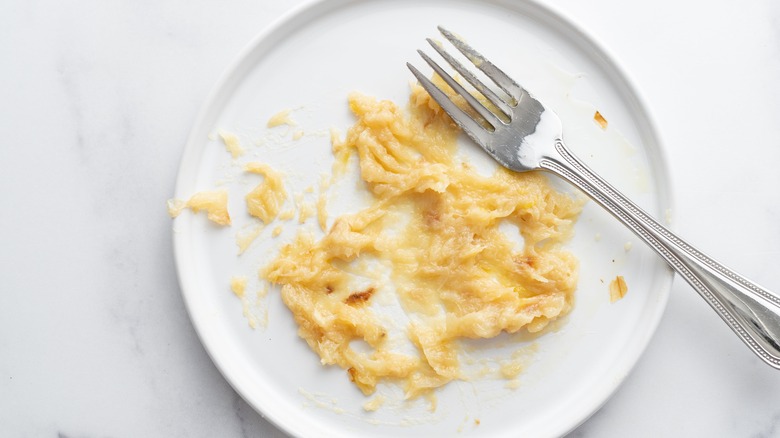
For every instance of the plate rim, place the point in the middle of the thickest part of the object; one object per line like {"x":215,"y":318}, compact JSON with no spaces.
{"x":230,"y":79}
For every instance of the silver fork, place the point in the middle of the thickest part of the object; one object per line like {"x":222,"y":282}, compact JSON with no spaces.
{"x":524,"y":135}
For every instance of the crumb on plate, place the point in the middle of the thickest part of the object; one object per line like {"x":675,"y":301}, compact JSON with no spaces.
{"x":617,"y":289}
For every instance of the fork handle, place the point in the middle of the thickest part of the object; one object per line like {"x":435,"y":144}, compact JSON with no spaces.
{"x":752,"y":312}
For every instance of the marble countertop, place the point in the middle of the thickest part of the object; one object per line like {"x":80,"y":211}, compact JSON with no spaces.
{"x":100,"y":97}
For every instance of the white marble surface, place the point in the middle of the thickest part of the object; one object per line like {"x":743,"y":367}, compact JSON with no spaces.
{"x":99,"y":97}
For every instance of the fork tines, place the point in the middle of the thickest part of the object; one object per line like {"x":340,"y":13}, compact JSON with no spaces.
{"x":472,"y":127}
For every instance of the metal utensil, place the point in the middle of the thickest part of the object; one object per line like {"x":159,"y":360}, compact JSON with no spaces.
{"x":522,"y":134}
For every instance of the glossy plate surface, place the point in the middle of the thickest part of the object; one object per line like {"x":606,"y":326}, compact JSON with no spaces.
{"x":309,"y":62}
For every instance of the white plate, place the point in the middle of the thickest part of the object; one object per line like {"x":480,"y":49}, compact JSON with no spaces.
{"x":309,"y":62}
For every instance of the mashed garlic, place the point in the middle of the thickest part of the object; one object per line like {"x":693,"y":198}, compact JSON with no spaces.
{"x":281,"y":118}
{"x":214,"y":203}
{"x":265,"y":201}
{"x":435,"y":223}
{"x":232,"y":143}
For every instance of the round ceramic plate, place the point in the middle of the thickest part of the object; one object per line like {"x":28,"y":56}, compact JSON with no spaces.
{"x":308,"y":63}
